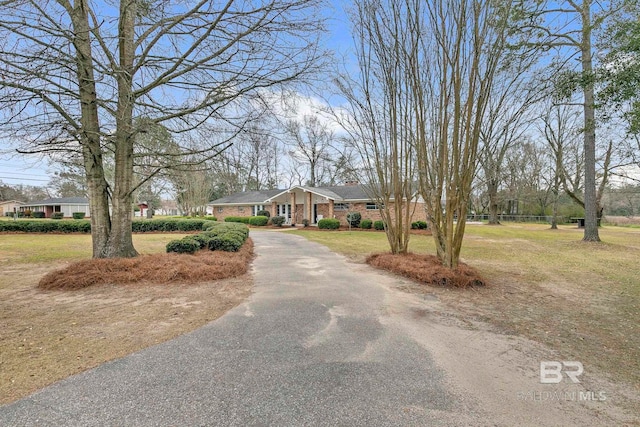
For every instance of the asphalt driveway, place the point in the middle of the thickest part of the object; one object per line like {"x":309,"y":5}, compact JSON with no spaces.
{"x":321,"y":342}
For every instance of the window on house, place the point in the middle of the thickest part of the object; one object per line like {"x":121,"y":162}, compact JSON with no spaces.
{"x":257,"y":208}
{"x":220,"y":210}
{"x":374,"y":206}
{"x":341,"y":206}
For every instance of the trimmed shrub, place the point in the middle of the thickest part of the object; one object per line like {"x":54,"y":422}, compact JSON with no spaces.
{"x":329,"y":224}
{"x":419,"y":225}
{"x":258,"y":220}
{"x":240,"y":219}
{"x":378,"y":225}
{"x":202,"y":239}
{"x":277,"y":221}
{"x":26,"y":213}
{"x":229,"y":242}
{"x":78,"y":215}
{"x":38,"y":215}
{"x":366,"y":224}
{"x":263,"y":213}
{"x":57,"y":215}
{"x":210,"y":218}
{"x":305,"y":222}
{"x":353,"y":219}
{"x":187,"y":245}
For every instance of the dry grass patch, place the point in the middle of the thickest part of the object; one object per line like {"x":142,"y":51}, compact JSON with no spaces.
{"x":426,"y":269}
{"x":170,"y":268}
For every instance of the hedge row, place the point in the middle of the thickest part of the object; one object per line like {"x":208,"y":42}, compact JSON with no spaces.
{"x":70,"y":226}
{"x":84,"y":226}
{"x":215,"y":236}
{"x":259,"y":220}
{"x":147,"y":225}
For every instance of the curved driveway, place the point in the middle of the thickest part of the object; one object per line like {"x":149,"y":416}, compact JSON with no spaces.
{"x":321,"y":342}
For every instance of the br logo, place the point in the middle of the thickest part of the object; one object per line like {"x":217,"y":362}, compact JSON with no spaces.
{"x":551,"y":372}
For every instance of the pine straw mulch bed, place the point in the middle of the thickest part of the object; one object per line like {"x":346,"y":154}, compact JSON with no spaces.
{"x":427,"y":269}
{"x":169,"y":268}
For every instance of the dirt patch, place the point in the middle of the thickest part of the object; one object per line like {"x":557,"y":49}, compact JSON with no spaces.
{"x":48,"y":335}
{"x":170,"y":268}
{"x":426,"y":269}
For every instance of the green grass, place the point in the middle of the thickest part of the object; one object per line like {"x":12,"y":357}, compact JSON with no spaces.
{"x":39,"y":248}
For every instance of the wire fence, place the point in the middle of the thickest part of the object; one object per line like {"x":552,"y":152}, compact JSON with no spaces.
{"x":523,"y":218}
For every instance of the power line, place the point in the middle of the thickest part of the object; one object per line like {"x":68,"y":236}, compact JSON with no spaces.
{"x":24,"y":179}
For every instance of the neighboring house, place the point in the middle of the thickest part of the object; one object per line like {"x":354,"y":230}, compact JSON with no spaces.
{"x":66,"y":205}
{"x":9,"y":207}
{"x":301,"y":202}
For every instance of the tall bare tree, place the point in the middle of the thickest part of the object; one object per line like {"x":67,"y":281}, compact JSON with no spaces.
{"x":378,"y":117}
{"x":462,"y":46}
{"x":75,"y":77}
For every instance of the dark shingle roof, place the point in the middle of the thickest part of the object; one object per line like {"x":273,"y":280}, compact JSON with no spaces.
{"x":348,"y":192}
{"x":60,"y":201}
{"x":247,"y":197}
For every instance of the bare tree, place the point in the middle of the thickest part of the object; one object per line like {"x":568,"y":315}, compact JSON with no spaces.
{"x":561,"y":130}
{"x":310,"y":147}
{"x":379,"y":118}
{"x":508,"y":118}
{"x":70,"y":72}
{"x":453,"y":82}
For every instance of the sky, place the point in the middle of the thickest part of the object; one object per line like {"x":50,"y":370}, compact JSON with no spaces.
{"x":34,"y":170}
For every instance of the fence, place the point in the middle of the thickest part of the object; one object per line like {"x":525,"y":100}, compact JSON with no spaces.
{"x":520,"y":218}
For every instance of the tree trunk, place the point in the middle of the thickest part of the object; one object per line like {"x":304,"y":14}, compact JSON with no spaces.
{"x":89,"y":133}
{"x":590,"y":201}
{"x":492,"y":189}
{"x":120,"y":243}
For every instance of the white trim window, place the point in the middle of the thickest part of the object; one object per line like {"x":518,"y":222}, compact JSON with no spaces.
{"x":341,"y":206}
{"x":284,"y":210}
{"x":371,"y":206}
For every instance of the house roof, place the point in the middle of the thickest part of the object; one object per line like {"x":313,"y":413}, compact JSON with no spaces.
{"x":340,"y":193}
{"x":60,"y":201}
{"x":11,"y":201}
{"x":247,"y":197}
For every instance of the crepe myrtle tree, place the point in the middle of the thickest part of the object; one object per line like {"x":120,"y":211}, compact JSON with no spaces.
{"x":76,"y":74}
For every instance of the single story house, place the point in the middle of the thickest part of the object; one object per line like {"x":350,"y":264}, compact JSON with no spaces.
{"x":66,"y":205}
{"x":8,"y":207}
{"x":302,"y":202}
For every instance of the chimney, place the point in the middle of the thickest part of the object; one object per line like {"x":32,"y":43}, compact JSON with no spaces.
{"x":351,"y":183}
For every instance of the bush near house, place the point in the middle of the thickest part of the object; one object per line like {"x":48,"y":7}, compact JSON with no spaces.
{"x":419,"y":225}
{"x":263,"y":213}
{"x":277,"y":221}
{"x":240,"y":219}
{"x":353,"y":218}
{"x":366,"y":224}
{"x":38,"y":214}
{"x":57,"y":215}
{"x":78,"y":215}
{"x":329,"y":224}
{"x":378,"y":225}
{"x":258,"y":221}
